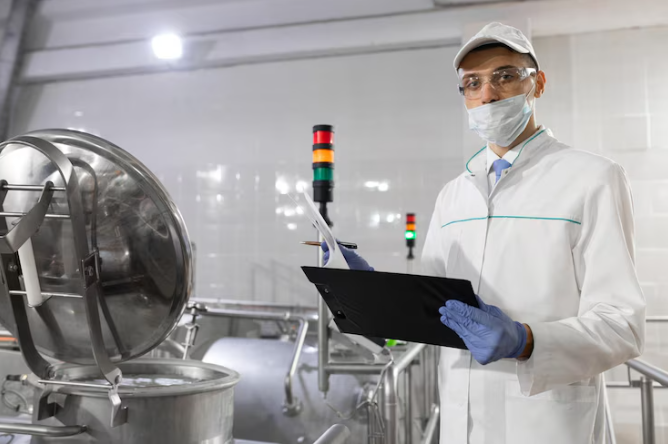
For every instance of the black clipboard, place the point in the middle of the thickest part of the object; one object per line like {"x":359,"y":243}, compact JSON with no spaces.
{"x":391,"y":305}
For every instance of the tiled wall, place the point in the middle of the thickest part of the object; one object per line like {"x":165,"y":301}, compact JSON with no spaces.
{"x":608,"y":93}
{"x":228,"y":142}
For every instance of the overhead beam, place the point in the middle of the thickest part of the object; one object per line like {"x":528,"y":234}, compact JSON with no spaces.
{"x":446,"y":27}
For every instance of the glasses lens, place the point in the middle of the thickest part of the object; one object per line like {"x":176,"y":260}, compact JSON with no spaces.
{"x":504,"y":81}
{"x":507,"y":80}
{"x":470,"y":87}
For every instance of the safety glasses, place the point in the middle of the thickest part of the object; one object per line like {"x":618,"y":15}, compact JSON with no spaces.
{"x":507,"y":80}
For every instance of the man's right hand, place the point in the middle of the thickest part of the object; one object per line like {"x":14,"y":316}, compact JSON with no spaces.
{"x":354,"y":260}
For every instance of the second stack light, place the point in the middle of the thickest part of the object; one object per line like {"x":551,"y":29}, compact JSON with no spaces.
{"x":410,"y":230}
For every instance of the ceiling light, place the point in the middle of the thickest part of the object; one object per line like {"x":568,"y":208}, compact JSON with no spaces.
{"x":167,"y":46}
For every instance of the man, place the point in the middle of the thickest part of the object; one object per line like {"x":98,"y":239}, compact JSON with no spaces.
{"x":544,"y":233}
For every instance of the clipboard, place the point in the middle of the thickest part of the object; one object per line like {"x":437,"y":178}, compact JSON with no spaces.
{"x":391,"y":305}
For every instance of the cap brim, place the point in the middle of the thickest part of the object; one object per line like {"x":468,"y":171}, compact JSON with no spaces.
{"x":482,"y":41}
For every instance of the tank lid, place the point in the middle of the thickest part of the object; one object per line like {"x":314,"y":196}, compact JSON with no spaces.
{"x":127,"y":228}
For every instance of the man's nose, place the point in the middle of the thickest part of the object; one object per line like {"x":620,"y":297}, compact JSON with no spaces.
{"x":489,"y":93}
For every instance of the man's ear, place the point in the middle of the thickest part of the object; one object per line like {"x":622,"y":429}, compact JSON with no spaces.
{"x":540,"y":84}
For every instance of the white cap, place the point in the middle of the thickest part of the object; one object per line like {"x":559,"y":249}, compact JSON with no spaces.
{"x":497,"y":32}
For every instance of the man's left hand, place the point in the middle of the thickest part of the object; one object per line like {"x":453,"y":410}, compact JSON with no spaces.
{"x":488,"y":332}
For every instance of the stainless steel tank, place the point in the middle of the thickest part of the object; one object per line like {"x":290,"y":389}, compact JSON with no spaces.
{"x":96,"y":271}
{"x":259,"y":396}
{"x":169,"y":402}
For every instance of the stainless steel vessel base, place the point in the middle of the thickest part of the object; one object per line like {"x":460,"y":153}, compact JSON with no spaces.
{"x":197,"y":410}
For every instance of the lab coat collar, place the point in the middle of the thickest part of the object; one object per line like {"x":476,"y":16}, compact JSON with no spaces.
{"x":478,"y":163}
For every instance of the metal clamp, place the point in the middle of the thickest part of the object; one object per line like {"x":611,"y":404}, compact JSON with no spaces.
{"x":192,"y":328}
{"x":119,"y":413}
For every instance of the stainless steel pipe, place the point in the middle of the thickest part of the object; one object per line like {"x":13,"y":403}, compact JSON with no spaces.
{"x":11,"y":187}
{"x":408,"y":415}
{"x":323,"y":335}
{"x":336,"y":434}
{"x":310,"y":313}
{"x":47,"y":294}
{"x":20,"y":214}
{"x":353,"y":369}
{"x":407,"y":358}
{"x":430,"y":429}
{"x":40,"y":430}
{"x":650,"y":371}
{"x":647,"y":400}
{"x":391,"y":407}
{"x":291,"y":405}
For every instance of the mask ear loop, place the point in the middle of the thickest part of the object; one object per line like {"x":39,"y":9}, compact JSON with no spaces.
{"x":532,"y":92}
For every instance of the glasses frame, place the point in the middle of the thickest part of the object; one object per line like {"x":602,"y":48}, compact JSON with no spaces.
{"x":526,"y":72}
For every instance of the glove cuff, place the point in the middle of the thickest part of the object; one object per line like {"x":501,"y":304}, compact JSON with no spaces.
{"x":522,"y":333}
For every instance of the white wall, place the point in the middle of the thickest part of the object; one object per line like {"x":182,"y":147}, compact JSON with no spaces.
{"x":223,"y":140}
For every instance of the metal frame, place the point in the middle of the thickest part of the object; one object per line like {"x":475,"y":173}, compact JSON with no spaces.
{"x":292,"y":405}
{"x":400,"y":368}
{"x":89,"y":269}
{"x":394,"y":374}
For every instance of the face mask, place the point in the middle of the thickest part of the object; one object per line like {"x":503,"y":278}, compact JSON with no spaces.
{"x":502,"y":122}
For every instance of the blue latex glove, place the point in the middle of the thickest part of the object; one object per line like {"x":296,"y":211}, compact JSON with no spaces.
{"x":354,"y":260}
{"x":488,"y":332}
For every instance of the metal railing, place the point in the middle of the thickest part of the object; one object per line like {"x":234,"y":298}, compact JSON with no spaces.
{"x":650,"y":374}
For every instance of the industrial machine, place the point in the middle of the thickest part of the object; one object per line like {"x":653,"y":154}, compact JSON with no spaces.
{"x":96,"y":271}
{"x":276,"y":350}
{"x":103,"y":343}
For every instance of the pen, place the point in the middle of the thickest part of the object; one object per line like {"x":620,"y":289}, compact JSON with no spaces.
{"x":343,"y":244}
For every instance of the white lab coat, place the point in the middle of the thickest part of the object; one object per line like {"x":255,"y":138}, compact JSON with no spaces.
{"x":553,"y":247}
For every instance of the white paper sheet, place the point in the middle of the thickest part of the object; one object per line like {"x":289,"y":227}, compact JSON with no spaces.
{"x":336,"y":259}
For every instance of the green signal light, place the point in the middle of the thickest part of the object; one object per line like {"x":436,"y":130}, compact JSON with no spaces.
{"x":410,"y":235}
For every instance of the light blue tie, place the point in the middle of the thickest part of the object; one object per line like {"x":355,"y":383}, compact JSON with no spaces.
{"x":499,"y":165}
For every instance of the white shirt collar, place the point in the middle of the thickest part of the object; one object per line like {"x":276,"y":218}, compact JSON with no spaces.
{"x":510,"y":157}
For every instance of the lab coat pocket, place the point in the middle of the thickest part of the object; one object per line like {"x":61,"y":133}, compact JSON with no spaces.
{"x":563,"y":415}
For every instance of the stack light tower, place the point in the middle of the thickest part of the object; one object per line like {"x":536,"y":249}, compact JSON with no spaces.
{"x":410,"y":236}
{"x":323,"y":168}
